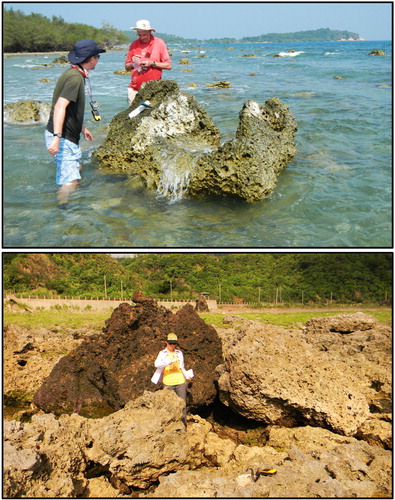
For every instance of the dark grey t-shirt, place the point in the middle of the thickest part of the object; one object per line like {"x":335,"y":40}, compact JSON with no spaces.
{"x":71,"y":86}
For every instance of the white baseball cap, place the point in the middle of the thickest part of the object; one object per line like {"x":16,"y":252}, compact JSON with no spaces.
{"x":143,"y":24}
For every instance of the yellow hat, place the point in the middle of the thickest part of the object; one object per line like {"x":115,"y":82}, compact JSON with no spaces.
{"x":172,"y":338}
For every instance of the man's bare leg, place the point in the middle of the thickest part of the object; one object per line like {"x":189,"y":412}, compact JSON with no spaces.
{"x":65,"y":191}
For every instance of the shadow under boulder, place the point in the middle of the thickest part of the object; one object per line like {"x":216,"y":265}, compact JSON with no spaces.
{"x":107,"y":370}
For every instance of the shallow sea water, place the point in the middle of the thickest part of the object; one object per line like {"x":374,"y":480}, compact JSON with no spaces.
{"x":335,"y":193}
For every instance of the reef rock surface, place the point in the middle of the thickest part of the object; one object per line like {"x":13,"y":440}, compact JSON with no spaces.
{"x":144,"y":450}
{"x":294,"y":377}
{"x":29,"y":111}
{"x":175,"y":146}
{"x":107,"y":370}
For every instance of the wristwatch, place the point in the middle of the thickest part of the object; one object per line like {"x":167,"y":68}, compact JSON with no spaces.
{"x":58,"y":135}
{"x":153,"y":65}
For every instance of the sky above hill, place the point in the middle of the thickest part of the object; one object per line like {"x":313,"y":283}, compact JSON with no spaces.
{"x":371,"y":20}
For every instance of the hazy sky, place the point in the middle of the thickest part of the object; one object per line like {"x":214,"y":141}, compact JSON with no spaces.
{"x":371,"y":20}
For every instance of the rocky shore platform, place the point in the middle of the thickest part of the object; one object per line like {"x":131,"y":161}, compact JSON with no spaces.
{"x":314,"y":403}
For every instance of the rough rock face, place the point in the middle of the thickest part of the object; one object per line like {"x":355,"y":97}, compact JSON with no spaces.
{"x":349,"y":470}
{"x":248,"y":166}
{"x":342,"y":323}
{"x":27,"y":111}
{"x":201,"y":304}
{"x":175,"y":148}
{"x":146,"y":443}
{"x":29,"y":356}
{"x":108,"y":370}
{"x":140,"y":145}
{"x":289,"y":378}
{"x":57,"y":458}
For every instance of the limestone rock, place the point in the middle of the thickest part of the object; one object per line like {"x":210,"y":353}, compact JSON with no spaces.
{"x":290,"y":378}
{"x":342,"y":323}
{"x":108,"y":370}
{"x":248,"y":166}
{"x":29,"y":356}
{"x":53,"y":458}
{"x":141,"y":442}
{"x":305,"y":438}
{"x":175,"y":146}
{"x":349,"y":470}
{"x":377,"y":52}
{"x":29,"y":111}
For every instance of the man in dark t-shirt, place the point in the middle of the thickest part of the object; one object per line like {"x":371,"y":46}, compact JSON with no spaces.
{"x":65,"y":124}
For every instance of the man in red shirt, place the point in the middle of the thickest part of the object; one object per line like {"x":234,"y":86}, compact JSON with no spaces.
{"x":147,"y":57}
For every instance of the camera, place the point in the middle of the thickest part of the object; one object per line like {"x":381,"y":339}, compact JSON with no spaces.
{"x":95,"y":112}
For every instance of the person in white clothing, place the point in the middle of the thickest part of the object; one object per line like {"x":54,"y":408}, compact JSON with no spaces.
{"x":170,"y":370}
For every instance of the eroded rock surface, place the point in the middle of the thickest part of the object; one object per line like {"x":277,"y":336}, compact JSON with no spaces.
{"x":290,"y":378}
{"x":342,"y":323}
{"x":108,"y":370}
{"x":174,"y":146}
{"x":29,"y":111}
{"x":145,"y":445}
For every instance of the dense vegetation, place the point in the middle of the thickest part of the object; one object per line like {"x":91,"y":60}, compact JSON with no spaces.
{"x":36,"y":33}
{"x":276,"y":278}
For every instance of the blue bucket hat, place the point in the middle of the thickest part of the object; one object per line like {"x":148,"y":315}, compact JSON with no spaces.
{"x":82,"y":50}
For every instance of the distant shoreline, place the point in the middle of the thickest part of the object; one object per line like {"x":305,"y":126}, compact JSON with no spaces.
{"x":10,"y":54}
{"x":65,"y":52}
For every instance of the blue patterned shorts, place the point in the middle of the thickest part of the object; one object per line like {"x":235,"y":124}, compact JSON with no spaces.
{"x":67,"y":160}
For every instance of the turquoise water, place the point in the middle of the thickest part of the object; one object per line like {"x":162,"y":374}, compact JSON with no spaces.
{"x":336,"y":192}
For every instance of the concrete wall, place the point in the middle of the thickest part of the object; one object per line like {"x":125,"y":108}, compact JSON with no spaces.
{"x":96,"y":305}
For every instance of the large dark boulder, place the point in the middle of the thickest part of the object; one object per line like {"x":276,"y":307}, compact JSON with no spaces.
{"x":108,"y":370}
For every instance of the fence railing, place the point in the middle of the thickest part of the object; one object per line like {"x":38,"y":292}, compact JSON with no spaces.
{"x":26,"y":296}
{"x":86,"y":297}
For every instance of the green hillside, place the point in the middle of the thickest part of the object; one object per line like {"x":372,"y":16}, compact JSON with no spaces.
{"x":286,"y":278}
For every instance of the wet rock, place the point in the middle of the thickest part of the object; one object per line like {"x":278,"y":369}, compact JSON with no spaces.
{"x":291,"y":378}
{"x":377,"y":52}
{"x":61,"y":60}
{"x":29,"y":111}
{"x":175,"y":148}
{"x":248,"y":166}
{"x":108,"y":370}
{"x":222,"y":84}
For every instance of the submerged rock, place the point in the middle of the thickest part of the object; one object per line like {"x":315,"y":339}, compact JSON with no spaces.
{"x":175,"y":146}
{"x":29,"y":111}
{"x":106,"y":371}
{"x":377,"y":52}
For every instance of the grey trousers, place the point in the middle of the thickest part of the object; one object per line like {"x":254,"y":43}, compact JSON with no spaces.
{"x":181,"y":391}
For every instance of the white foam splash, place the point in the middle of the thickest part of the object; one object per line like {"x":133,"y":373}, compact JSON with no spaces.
{"x":290,"y":54}
{"x":177,"y":166}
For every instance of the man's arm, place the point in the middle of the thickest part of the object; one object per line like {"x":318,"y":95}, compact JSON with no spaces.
{"x":59,"y":115}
